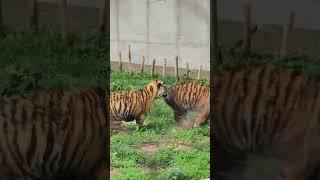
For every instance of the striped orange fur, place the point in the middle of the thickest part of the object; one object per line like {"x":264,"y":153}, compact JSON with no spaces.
{"x":54,"y":135}
{"x":190,"y":96}
{"x":134,"y":105}
{"x":268,"y":112}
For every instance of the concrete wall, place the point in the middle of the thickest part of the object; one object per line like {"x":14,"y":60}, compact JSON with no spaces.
{"x":161,"y":29}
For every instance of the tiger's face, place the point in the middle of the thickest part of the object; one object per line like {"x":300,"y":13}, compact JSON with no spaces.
{"x":160,"y":87}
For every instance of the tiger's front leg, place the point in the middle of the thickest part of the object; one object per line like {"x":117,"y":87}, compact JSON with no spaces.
{"x":140,"y":120}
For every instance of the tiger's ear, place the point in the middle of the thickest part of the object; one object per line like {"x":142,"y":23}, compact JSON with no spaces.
{"x":159,"y":83}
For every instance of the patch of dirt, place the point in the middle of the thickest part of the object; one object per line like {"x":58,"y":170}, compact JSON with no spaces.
{"x":150,"y":149}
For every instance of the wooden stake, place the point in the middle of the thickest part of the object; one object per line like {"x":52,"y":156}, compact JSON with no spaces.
{"x":152,"y":68}
{"x":142,"y":64}
{"x":287,"y":30}
{"x":187,"y":71}
{"x":199,"y":72}
{"x":63,"y":17}
{"x":120,"y":62}
{"x":129,"y":60}
{"x":164,"y":68}
{"x":247,"y":26}
{"x":34,"y":15}
{"x":176,"y":72}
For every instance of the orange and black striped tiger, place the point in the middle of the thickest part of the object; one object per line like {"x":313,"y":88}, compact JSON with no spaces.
{"x":186,"y":97}
{"x":129,"y":105}
{"x":266,"y":116}
{"x":54,"y":135}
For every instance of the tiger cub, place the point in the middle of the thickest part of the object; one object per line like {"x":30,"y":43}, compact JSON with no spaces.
{"x":54,"y":135}
{"x":134,"y":105}
{"x":190,"y":96}
{"x":267,"y":111}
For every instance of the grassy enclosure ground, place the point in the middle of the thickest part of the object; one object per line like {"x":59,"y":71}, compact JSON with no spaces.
{"x":160,"y":150}
{"x":42,"y":61}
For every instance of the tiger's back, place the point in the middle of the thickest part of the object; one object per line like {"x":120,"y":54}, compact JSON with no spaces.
{"x":270,"y":111}
{"x":53,"y":135}
{"x":190,"y":96}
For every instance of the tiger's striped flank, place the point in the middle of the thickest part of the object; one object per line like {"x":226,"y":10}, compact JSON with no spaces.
{"x":54,"y":135}
{"x":266,"y":112}
{"x":186,"y":97}
{"x":134,"y":105}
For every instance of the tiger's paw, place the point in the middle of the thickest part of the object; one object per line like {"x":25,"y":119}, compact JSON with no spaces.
{"x":195,"y":125}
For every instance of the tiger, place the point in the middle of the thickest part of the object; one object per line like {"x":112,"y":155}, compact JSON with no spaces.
{"x":54,"y":135}
{"x":129,"y":105}
{"x":189,"y":96}
{"x":269,"y":115}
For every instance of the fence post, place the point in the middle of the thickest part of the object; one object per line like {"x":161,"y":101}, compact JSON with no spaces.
{"x":142,"y":65}
{"x":152,"y":68}
{"x":34,"y":15}
{"x":164,"y":68}
{"x":287,"y":30}
{"x":129,"y":60}
{"x":247,"y":26}
{"x":120,"y":62}
{"x":103,"y":17}
{"x":176,"y":72}
{"x":64,"y":19}
{"x":199,"y":72}
{"x":187,"y":71}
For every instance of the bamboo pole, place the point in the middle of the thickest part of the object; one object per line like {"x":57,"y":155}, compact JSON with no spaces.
{"x":199,"y":72}
{"x":129,"y":54}
{"x":103,"y":17}
{"x":120,"y":62}
{"x":176,"y":71}
{"x":142,"y":64}
{"x":64,"y":19}
{"x":187,"y":71}
{"x":152,"y":68}
{"x":34,"y":15}
{"x":287,"y":30}
{"x":164,"y":68}
{"x":247,"y":26}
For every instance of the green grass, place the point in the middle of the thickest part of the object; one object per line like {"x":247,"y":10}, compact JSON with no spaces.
{"x":305,"y":64}
{"x":168,"y":161}
{"x":44,"y":62}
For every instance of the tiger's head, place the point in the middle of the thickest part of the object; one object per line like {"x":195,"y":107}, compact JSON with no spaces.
{"x":158,"y":88}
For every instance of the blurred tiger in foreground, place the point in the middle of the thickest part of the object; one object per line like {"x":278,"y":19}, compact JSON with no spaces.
{"x":186,"y":97}
{"x":54,"y":135}
{"x":134,"y":105}
{"x":269,"y":117}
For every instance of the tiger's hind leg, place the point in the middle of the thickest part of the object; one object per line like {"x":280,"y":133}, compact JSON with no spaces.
{"x":201,"y":118}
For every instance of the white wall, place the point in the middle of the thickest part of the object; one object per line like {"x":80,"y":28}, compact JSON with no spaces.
{"x":165,"y":29}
